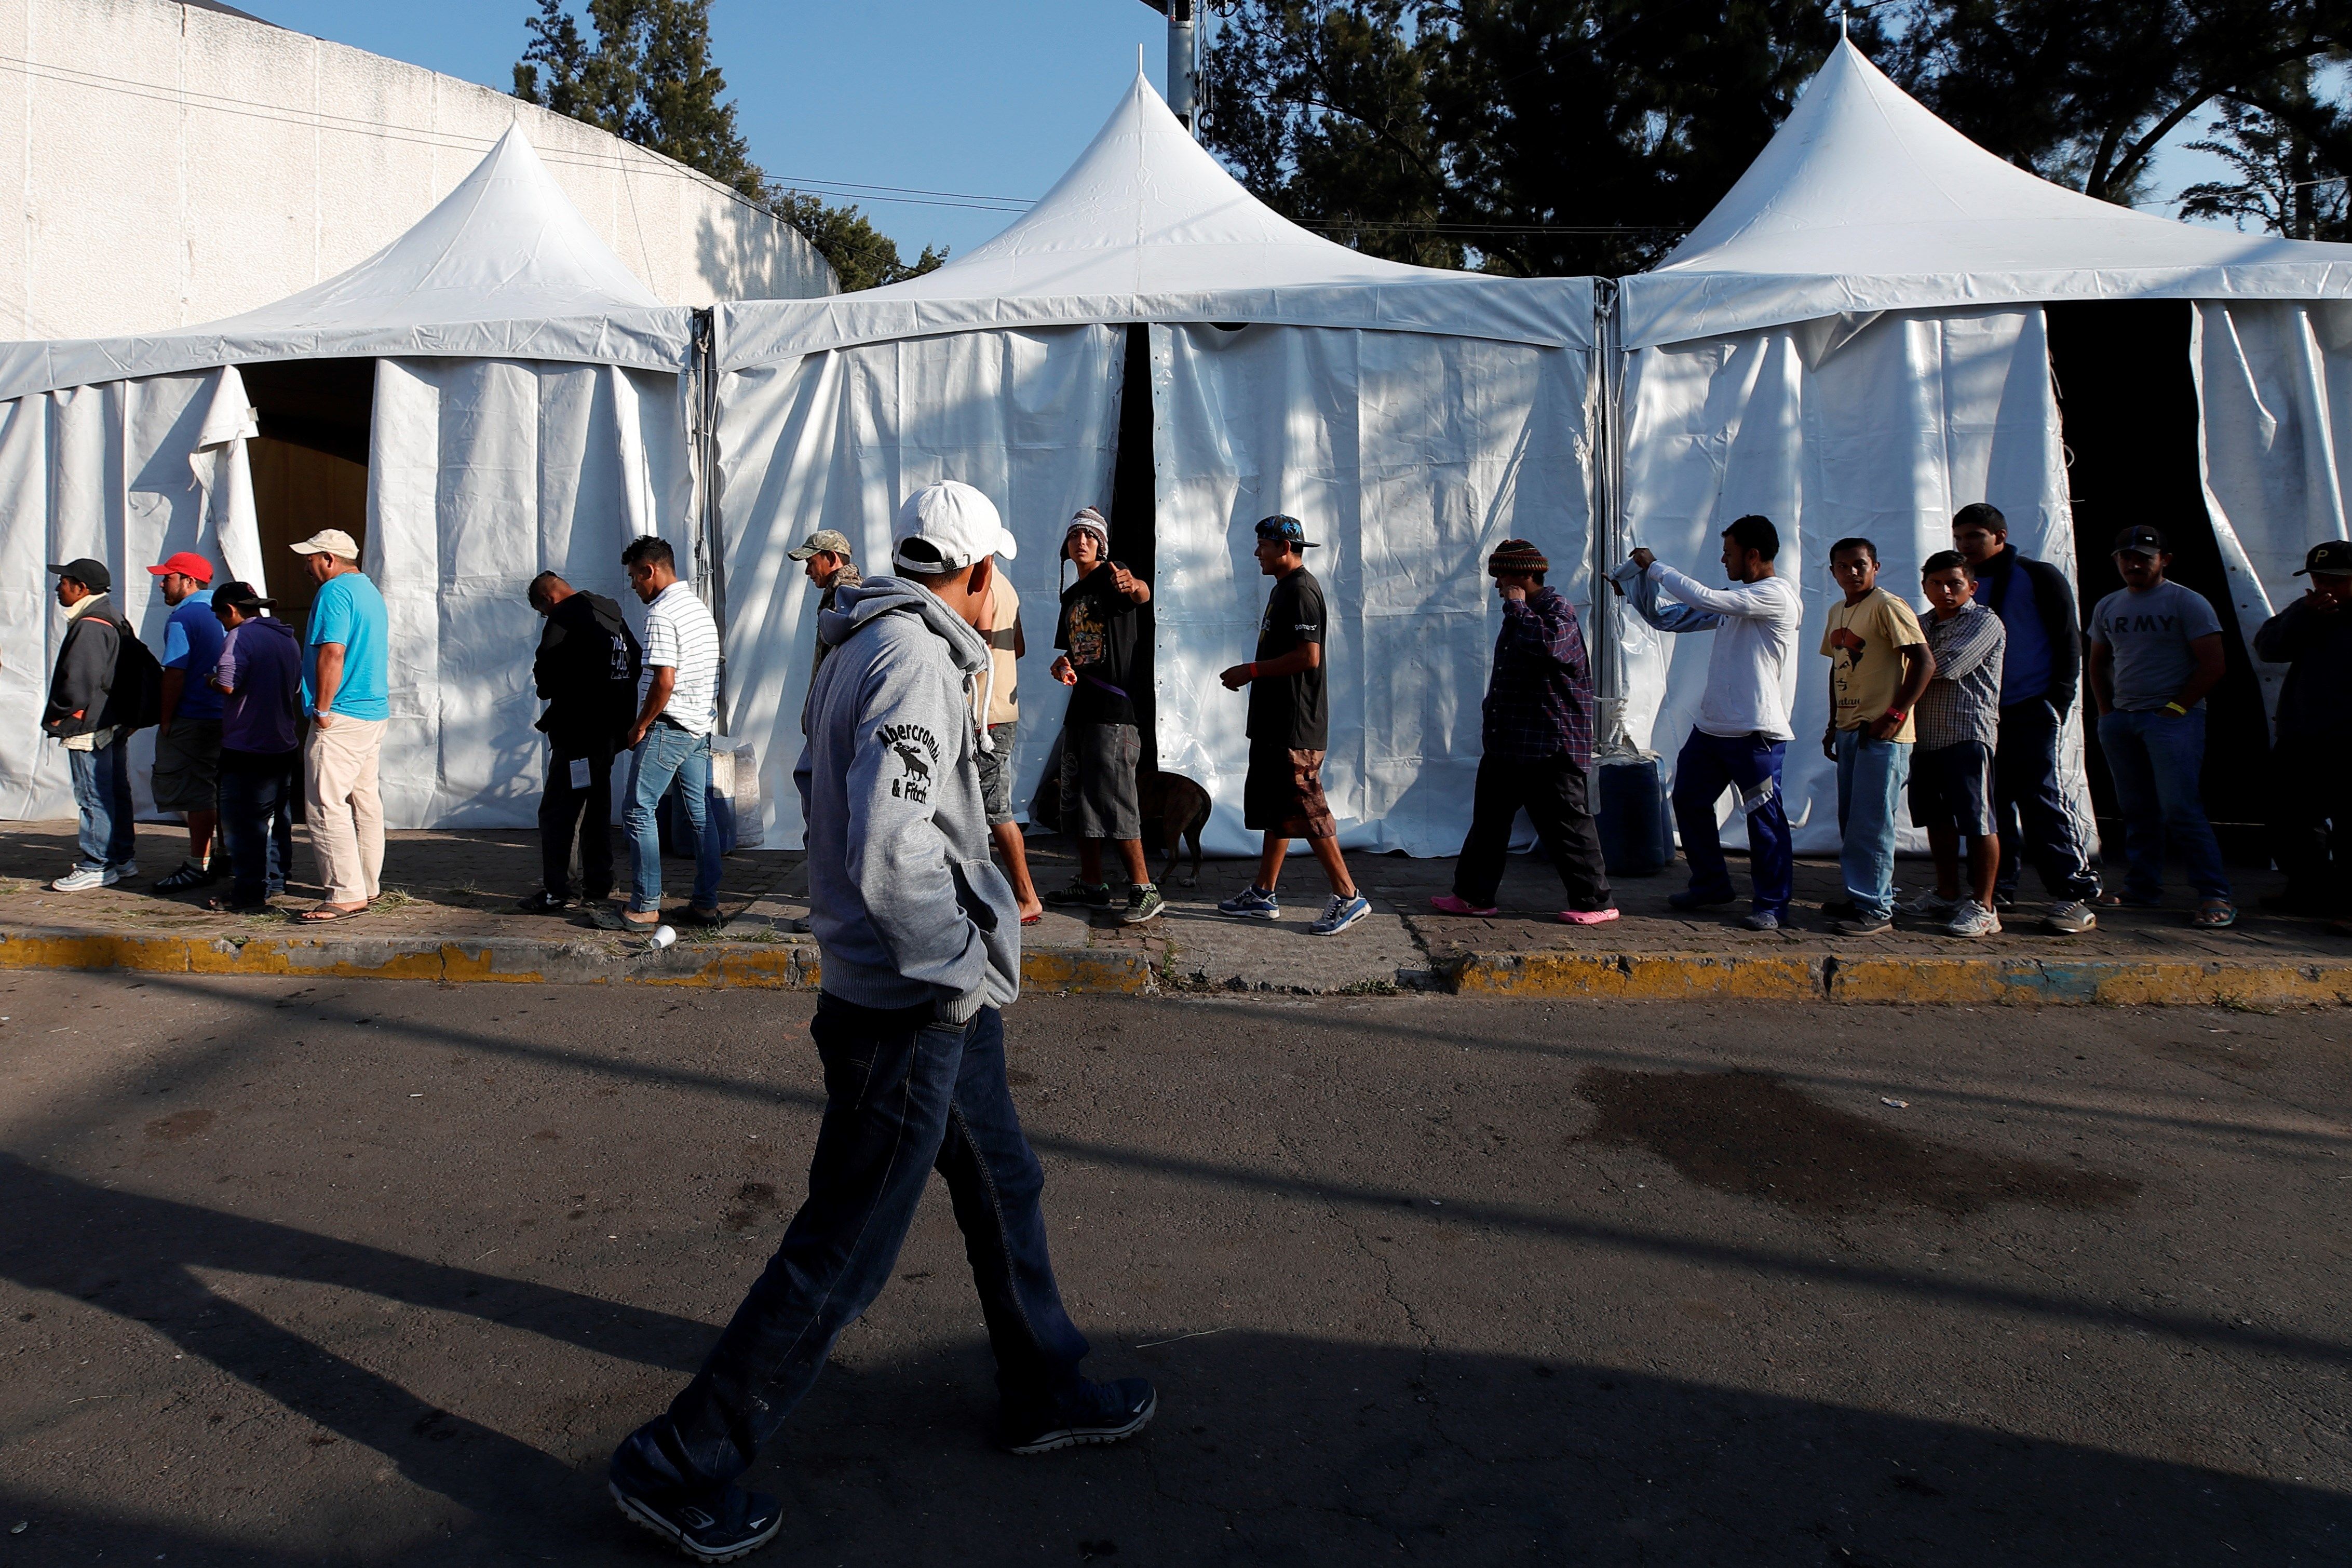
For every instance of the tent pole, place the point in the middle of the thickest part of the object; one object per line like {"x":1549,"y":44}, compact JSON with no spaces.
{"x":1605,"y":402}
{"x":702,"y":416}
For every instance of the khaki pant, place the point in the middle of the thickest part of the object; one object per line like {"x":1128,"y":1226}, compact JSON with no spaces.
{"x":346,"y":814}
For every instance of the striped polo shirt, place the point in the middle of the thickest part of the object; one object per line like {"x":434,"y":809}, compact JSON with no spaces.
{"x":681,"y":636}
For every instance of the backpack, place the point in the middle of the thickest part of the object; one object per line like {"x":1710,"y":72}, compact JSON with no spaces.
{"x":137,"y":697}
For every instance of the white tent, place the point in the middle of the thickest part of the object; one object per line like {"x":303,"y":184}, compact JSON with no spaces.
{"x":528,"y":414}
{"x":1854,"y":342}
{"x":1413,"y":417}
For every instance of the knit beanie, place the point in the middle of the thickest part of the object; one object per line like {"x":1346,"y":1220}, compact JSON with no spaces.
{"x":1516,"y":555}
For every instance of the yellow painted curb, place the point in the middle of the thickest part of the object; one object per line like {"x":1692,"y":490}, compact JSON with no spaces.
{"x":1643,"y":977}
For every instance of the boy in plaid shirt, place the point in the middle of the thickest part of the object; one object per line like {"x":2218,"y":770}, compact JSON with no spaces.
{"x":1958,"y":720}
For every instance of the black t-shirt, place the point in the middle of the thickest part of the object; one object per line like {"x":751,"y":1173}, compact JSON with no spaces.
{"x":1288,"y":710}
{"x":1097,"y":630}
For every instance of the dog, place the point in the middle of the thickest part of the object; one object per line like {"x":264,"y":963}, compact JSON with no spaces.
{"x":1174,"y":806}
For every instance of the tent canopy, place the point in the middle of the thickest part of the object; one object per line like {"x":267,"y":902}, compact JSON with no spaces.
{"x":1147,"y":226}
{"x":504,"y":267}
{"x":1865,"y":201}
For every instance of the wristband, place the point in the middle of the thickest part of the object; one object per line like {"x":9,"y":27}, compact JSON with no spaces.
{"x":1897,"y":714}
{"x":2176,"y":709}
{"x":1253,"y":672}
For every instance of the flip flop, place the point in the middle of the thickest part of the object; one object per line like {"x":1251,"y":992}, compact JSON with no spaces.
{"x":2215,"y":914}
{"x":1031,"y":920}
{"x":320,"y":914}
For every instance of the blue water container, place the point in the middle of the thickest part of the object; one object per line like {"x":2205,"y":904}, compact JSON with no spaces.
{"x":1637,"y":829}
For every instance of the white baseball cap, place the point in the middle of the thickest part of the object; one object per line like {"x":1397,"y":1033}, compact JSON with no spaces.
{"x":952,"y":525}
{"x":329,"y":542}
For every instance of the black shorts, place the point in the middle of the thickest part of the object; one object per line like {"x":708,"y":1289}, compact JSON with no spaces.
{"x":1283,"y":793}
{"x":1951,"y":787}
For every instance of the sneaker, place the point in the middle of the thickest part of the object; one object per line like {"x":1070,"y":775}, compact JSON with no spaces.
{"x":1972,"y":919}
{"x":1339,"y":914}
{"x":1254,"y":902}
{"x":1932,"y":906}
{"x":1143,"y":903}
{"x":1091,"y":1413}
{"x":189,"y":875}
{"x":1693,"y":899}
{"x":734,"y":1525}
{"x":1450,"y":904}
{"x":1864,"y":925}
{"x":1761,"y":920}
{"x":1588,"y":917}
{"x":544,"y":903}
{"x":2071,"y":918}
{"x":2003,"y":898}
{"x":81,"y":880}
{"x":1080,"y":895}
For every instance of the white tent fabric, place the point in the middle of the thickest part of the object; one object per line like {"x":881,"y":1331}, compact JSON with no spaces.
{"x":2274,"y":384}
{"x":1883,"y":434}
{"x":1410,"y":455}
{"x":835,"y":439}
{"x":505,"y":266}
{"x":1003,"y":369}
{"x":126,"y":473}
{"x":1147,"y":226}
{"x":1865,"y":201}
{"x":483,"y":473}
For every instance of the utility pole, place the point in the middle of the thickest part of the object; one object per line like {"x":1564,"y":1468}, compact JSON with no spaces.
{"x":1183,"y":56}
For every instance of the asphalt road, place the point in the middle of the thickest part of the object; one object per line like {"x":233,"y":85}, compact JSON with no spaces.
{"x":377,"y":1272}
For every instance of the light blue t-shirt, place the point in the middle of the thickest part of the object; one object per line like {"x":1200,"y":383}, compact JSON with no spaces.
{"x":349,"y":611}
{"x":192,"y":644}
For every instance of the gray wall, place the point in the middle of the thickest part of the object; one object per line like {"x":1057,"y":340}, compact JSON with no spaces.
{"x":177,"y":164}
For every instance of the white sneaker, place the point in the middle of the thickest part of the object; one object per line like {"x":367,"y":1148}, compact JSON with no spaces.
{"x":1974,"y":920}
{"x":81,"y":880}
{"x":1931,"y":905}
{"x":1339,"y":914}
{"x":123,"y":873}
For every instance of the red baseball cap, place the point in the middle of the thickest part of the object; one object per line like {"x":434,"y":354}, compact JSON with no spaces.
{"x":187,"y":564}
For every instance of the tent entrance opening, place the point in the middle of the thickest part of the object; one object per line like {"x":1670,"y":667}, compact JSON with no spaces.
{"x":310,"y":464}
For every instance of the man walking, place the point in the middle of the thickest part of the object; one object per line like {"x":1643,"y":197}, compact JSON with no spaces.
{"x":1101,"y":745}
{"x":920,"y":947}
{"x":1879,"y":664}
{"x":1537,"y":747}
{"x":1741,"y":736}
{"x":1288,"y":728}
{"x":188,"y":736}
{"x":2041,"y":668}
{"x":996,"y":710}
{"x":2156,"y":651}
{"x":2310,"y":812}
{"x":91,"y":719}
{"x":586,"y":672}
{"x":258,"y":676}
{"x":1958,"y":719}
{"x":824,"y":558}
{"x":346,"y":679}
{"x":678,"y":708}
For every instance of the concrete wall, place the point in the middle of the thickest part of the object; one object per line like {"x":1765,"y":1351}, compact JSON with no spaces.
{"x":178,"y":164}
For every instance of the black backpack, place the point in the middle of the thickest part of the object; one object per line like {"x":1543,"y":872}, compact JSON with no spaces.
{"x":137,"y":697}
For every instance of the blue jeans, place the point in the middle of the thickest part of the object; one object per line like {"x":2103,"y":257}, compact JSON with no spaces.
{"x":101,"y":789}
{"x":1709,"y":765}
{"x":904,"y":1095}
{"x":256,"y":805}
{"x":1871,"y":774}
{"x":2154,"y":760}
{"x":669,"y":755}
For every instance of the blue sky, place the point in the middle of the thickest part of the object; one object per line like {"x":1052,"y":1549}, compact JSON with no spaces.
{"x":987,"y":97}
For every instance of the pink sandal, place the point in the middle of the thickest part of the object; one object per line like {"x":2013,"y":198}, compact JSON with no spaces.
{"x":1588,"y":917}
{"x":1447,"y":904}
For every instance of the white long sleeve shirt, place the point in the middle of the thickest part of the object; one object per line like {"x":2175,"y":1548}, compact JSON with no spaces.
{"x":1752,"y":675}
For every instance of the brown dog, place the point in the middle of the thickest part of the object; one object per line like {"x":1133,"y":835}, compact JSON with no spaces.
{"x":1174,"y":805}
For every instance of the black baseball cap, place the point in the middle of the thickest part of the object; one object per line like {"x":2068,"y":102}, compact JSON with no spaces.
{"x":240,"y":597}
{"x":2328,"y":558}
{"x":91,"y":574}
{"x":1289,"y":530}
{"x":2140,"y":540}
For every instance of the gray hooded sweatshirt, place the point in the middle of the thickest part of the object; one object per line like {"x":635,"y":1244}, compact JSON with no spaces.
{"x":906,"y":905}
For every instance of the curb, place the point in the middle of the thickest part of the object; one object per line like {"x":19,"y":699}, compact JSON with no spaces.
{"x":1998,"y":982}
{"x":774,"y":966}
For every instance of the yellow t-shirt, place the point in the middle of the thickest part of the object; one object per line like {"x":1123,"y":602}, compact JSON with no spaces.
{"x":1864,"y":644}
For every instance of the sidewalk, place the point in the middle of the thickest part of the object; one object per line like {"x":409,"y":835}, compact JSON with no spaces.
{"x":450,"y":914}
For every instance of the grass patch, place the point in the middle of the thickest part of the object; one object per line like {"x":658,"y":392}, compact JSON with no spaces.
{"x":396,"y":898}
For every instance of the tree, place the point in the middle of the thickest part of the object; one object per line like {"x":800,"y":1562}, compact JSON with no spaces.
{"x":646,"y":76}
{"x":2280,"y":185}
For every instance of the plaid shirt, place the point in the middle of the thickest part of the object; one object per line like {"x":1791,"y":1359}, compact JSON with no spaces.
{"x":1963,"y":703}
{"x":1539,"y":703}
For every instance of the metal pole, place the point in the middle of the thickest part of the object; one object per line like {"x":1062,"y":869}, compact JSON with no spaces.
{"x":1181,"y":59}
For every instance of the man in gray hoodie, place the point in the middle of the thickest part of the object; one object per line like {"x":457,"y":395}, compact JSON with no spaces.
{"x":95,"y":722}
{"x":921,"y":945}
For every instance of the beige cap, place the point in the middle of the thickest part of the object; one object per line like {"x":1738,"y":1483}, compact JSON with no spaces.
{"x":329,"y":542}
